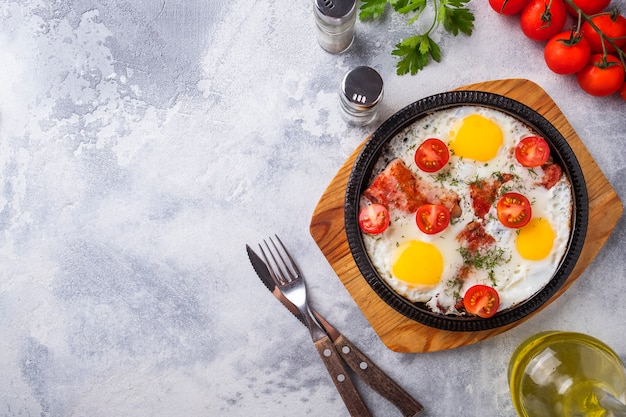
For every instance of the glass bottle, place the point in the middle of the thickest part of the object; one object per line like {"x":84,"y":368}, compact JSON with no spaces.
{"x":360,"y":93}
{"x":335,"y":21}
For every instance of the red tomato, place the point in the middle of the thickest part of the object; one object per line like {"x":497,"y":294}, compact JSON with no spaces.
{"x":612,"y":25}
{"x":432,"y":155}
{"x":508,"y":7}
{"x":432,"y":218}
{"x":532,"y":151}
{"x":622,"y":91}
{"x":567,"y":53}
{"x":589,"y":7}
{"x":374,"y":219}
{"x":542,"y":19}
{"x":514,"y":210}
{"x":481,"y":300}
{"x":601,"y":77}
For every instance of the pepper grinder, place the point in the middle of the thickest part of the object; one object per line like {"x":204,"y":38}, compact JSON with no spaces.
{"x":359,"y":95}
{"x":335,"y":21}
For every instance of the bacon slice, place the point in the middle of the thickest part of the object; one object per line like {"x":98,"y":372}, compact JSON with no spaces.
{"x":474,"y":237}
{"x":483,"y":193}
{"x":551,"y":175}
{"x":397,"y":187}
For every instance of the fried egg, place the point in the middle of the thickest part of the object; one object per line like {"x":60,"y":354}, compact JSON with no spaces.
{"x":474,"y":130}
{"x":436,"y":269}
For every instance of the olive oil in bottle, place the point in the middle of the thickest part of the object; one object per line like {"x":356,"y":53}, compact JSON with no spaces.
{"x":566,"y":374}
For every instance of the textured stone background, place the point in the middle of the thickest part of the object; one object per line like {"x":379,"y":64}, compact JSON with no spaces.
{"x":143,"y":143}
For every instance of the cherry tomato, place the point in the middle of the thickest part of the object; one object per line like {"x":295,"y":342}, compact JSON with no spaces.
{"x":374,"y":219}
{"x":567,"y":53}
{"x":481,"y":300}
{"x":514,"y":210}
{"x":508,"y":7}
{"x":601,"y":77}
{"x":612,"y":25}
{"x":432,"y":155}
{"x":589,"y":7}
{"x":622,"y":91}
{"x":532,"y":151}
{"x":542,"y":19}
{"x":432,"y":218}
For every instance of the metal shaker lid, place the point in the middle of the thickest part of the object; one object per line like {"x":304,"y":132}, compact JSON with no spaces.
{"x":362,"y":88}
{"x":335,"y":12}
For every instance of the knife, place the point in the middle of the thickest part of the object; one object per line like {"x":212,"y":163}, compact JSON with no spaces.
{"x":357,"y":361}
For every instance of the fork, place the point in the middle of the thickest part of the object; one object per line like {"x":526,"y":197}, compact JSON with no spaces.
{"x":290,"y":281}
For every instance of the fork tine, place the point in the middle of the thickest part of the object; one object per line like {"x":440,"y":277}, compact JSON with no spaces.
{"x":270,"y":267}
{"x":289,"y":276}
{"x":293,"y":263}
{"x":283,"y":270}
{"x":273,"y":265}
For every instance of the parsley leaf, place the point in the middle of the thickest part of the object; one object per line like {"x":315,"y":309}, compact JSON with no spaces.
{"x":372,"y":9}
{"x":408,"y":6}
{"x":456,"y":17}
{"x":415,"y":52}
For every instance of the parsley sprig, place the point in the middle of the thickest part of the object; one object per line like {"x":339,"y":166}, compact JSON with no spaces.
{"x":417,"y":51}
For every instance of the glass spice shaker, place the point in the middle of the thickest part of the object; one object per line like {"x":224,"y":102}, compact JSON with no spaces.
{"x":360,"y":93}
{"x":335,"y":24}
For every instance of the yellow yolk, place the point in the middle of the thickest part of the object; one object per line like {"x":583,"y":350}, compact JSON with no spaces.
{"x":417,"y":263}
{"x":535,"y":240}
{"x":478,"y":138}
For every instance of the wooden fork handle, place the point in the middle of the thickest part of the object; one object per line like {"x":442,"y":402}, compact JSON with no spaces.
{"x":373,"y":376}
{"x":341,"y":378}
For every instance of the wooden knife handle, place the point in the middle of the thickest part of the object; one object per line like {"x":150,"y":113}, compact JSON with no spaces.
{"x":340,"y":376}
{"x":379,"y":381}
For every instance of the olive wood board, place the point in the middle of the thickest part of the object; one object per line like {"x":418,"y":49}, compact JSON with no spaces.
{"x":402,"y":334}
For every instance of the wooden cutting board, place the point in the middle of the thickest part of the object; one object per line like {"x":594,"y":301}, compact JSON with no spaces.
{"x":402,"y":334}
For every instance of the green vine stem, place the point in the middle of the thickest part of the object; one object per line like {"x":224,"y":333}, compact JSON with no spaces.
{"x":582,"y":15}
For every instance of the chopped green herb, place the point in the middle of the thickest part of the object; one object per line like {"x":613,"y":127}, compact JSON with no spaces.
{"x":485,"y":261}
{"x":454,"y":285}
{"x":443,"y":176}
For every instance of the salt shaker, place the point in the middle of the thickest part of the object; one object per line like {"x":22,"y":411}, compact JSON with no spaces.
{"x":335,"y":21}
{"x":360,"y":93}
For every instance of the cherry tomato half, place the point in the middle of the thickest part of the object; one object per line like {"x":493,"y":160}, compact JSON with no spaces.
{"x":532,"y":151}
{"x":612,"y":25}
{"x":514,"y":210}
{"x":601,"y":77}
{"x":567,"y":53}
{"x":432,"y":155}
{"x":508,"y":7}
{"x":542,"y":19}
{"x":589,"y":7}
{"x":481,"y":300}
{"x":374,"y":219}
{"x":432,"y":218}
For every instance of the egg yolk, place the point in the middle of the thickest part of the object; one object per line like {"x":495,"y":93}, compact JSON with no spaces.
{"x":535,"y":240}
{"x":477,"y":138}
{"x":419,"y":263}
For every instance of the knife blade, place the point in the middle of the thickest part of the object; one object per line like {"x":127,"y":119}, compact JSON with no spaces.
{"x":357,"y":361}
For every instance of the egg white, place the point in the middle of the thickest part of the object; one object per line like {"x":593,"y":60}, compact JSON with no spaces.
{"x":516,"y":279}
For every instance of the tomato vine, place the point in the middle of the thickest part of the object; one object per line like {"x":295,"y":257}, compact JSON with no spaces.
{"x":603,"y":37}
